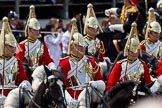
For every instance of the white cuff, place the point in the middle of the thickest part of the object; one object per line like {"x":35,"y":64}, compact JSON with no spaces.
{"x":116,"y":27}
{"x":100,"y":85}
{"x":52,"y":66}
{"x":110,"y":11}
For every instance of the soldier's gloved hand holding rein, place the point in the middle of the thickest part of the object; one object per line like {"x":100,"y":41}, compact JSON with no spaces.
{"x":52,"y":66}
{"x":26,"y":85}
{"x":93,"y":84}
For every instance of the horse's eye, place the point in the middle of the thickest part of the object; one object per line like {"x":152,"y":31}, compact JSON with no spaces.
{"x":52,"y":80}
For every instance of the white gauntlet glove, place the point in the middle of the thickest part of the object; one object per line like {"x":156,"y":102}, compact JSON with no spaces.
{"x":52,"y":66}
{"x":116,"y":27}
{"x":25,"y":85}
{"x":93,"y":84}
{"x":99,"y":84}
{"x":110,"y":11}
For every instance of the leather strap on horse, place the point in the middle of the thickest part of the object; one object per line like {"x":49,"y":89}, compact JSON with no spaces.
{"x":115,"y":42}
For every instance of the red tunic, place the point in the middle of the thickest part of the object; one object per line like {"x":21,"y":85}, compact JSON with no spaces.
{"x":65,"y":65}
{"x":116,"y":72}
{"x":143,"y":47}
{"x":159,"y":69}
{"x":21,"y":75}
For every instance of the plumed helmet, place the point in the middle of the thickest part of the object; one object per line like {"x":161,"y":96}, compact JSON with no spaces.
{"x":133,"y":43}
{"x":159,"y":4}
{"x":151,"y":18}
{"x":151,"y":14}
{"x":75,"y":36}
{"x":155,"y":26}
{"x":88,"y":20}
{"x":6,"y":36}
{"x":92,"y":22}
{"x":32,"y":21}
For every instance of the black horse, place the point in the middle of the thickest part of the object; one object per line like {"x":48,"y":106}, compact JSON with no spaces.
{"x":50,"y":93}
{"x":124,"y":94}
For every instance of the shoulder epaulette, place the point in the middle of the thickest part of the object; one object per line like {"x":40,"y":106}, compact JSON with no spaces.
{"x":23,"y":41}
{"x":64,"y":58}
{"x":144,"y":41}
{"x":121,"y":61}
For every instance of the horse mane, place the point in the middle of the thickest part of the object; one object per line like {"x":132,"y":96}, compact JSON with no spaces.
{"x":121,"y":94}
{"x":124,"y":85}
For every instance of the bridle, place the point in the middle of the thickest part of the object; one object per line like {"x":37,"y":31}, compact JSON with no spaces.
{"x":52,"y":101}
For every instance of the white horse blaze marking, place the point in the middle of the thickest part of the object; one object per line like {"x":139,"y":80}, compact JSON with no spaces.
{"x":60,"y":83}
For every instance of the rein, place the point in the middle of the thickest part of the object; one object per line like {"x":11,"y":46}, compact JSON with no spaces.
{"x":100,"y":95}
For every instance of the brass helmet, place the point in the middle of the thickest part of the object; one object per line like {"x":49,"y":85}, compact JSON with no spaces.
{"x":133,"y":43}
{"x":32,"y":21}
{"x":75,"y":37}
{"x":92,"y":22}
{"x":91,"y":19}
{"x":6,"y":36}
{"x":155,"y":26}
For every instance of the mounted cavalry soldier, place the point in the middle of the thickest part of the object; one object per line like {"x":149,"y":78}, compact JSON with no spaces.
{"x":91,"y":29}
{"x":152,"y":44}
{"x":131,"y":68}
{"x":80,"y":71}
{"x":11,"y":69}
{"x":33,"y":52}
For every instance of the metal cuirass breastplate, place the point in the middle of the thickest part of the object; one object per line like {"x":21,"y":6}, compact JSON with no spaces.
{"x":93,"y":46}
{"x":132,"y":72}
{"x":10,"y":72}
{"x":35,"y":54}
{"x":155,"y":52}
{"x":80,"y":77}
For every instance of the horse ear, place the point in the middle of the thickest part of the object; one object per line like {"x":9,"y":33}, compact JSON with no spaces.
{"x":48,"y":72}
{"x":59,"y":74}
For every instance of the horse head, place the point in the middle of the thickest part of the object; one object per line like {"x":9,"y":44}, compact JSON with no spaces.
{"x":54,"y":92}
{"x":51,"y":90}
{"x":121,"y":94}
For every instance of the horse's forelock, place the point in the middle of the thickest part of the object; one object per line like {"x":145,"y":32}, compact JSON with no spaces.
{"x":58,"y":74}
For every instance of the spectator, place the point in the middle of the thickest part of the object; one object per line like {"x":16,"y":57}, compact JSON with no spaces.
{"x":16,"y":24}
{"x":53,"y":43}
{"x":65,"y":40}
